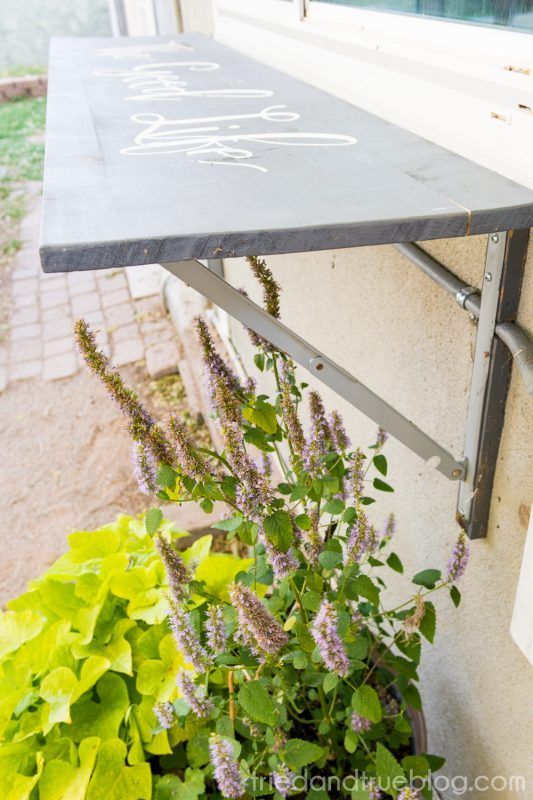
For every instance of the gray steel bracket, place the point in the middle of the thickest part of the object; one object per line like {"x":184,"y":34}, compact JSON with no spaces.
{"x":214,"y":287}
{"x":502,"y":280}
{"x":491,"y":375}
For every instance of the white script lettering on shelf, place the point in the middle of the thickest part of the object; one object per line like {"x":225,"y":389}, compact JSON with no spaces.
{"x":160,"y":81}
{"x":204,"y":138}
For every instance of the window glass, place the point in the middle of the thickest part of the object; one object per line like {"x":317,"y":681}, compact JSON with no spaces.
{"x":506,"y":13}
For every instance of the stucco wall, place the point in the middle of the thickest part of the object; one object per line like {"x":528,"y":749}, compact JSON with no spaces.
{"x":380,"y":318}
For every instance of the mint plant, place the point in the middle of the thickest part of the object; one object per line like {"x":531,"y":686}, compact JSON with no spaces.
{"x":299,"y":681}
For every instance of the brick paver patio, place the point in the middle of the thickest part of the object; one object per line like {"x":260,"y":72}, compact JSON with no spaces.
{"x":39,"y":341}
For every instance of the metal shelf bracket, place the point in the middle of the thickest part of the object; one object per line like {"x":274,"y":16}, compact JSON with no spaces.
{"x":212,"y":286}
{"x":491,"y":370}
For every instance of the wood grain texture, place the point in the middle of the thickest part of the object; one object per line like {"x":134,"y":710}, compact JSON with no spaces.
{"x":168,"y":148}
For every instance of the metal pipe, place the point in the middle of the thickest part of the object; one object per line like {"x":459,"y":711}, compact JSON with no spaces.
{"x":509,"y":333}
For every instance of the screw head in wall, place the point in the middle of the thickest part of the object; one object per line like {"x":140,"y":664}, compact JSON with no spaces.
{"x":495,"y":238}
{"x":456,"y":473}
{"x":488,"y":276}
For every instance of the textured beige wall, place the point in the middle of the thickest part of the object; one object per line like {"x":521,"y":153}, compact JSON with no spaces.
{"x":379,"y":317}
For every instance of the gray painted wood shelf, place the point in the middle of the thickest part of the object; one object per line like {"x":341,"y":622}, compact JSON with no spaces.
{"x":170,"y":148}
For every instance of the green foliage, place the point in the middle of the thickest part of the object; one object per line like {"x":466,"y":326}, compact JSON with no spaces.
{"x":316,"y":670}
{"x":85,"y":654}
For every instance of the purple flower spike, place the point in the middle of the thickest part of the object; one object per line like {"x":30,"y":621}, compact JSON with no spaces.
{"x":374,"y":793}
{"x":258,"y":630}
{"x":458,"y":559}
{"x":283,"y":780}
{"x":200,"y":706}
{"x":226,"y":768}
{"x":381,"y":438}
{"x":187,"y":639}
{"x":338,"y":431}
{"x":360,"y":724}
{"x":329,"y":642}
{"x":165,"y":714}
{"x":144,"y":468}
{"x":283,"y":564}
{"x":216,"y":629}
{"x":178,"y":577}
{"x":408,"y":793}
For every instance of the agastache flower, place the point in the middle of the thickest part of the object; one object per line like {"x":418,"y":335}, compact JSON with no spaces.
{"x":140,"y":424}
{"x":144,"y":468}
{"x":312,"y":545}
{"x":326,"y":636}
{"x":187,"y":639}
{"x":357,"y":476}
{"x":255,"y":339}
{"x":458,"y":559}
{"x":338,"y":431}
{"x":283,"y":564}
{"x":217,"y":370}
{"x":360,"y":724}
{"x":215,"y":627}
{"x":200,"y":705}
{"x":271,"y":289}
{"x":381,"y":438}
{"x":191,"y":462}
{"x":374,"y":792}
{"x":226,"y":768}
{"x":408,"y":793}
{"x":164,"y":713}
{"x":177,"y":574}
{"x":257,"y":629}
{"x":295,"y":434}
{"x":360,"y":540}
{"x":283,"y":780}
{"x":390,"y":527}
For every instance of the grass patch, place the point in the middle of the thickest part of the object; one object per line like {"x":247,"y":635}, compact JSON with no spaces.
{"x":21,"y":160}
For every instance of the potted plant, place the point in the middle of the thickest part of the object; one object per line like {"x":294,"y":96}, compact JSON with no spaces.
{"x":301,"y":680}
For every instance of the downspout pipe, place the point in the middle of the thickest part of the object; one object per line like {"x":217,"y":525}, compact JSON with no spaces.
{"x":509,"y":333}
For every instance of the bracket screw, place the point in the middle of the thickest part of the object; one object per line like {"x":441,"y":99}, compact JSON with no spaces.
{"x":488,"y":276}
{"x":456,"y":473}
{"x":495,"y":238}
{"x":316,"y":364}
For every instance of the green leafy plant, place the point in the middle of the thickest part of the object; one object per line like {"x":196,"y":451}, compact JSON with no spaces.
{"x":85,"y":654}
{"x":301,"y":671}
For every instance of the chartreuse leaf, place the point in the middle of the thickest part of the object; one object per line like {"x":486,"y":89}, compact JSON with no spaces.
{"x":61,"y":780}
{"x":113,"y":780}
{"x":365,"y":702}
{"x":102,"y":718}
{"x":23,"y":785}
{"x":388,"y":771}
{"x":299,"y":753}
{"x":17,"y":628}
{"x":263,"y":415}
{"x":58,"y":689}
{"x":218,"y":570}
{"x":257,"y":703}
{"x":198,"y":550}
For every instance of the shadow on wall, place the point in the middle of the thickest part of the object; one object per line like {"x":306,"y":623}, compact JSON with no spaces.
{"x":26,"y":28}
